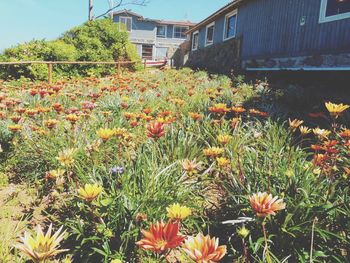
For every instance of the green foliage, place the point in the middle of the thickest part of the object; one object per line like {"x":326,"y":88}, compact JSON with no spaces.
{"x":99,"y":40}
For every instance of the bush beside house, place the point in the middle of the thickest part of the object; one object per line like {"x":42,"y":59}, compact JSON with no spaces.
{"x":100,"y":40}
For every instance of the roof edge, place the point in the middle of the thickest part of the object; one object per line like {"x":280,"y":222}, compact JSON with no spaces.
{"x":212,"y":17}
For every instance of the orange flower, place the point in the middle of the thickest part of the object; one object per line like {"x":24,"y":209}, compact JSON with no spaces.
{"x":264,"y":204}
{"x":238,"y":109}
{"x":345,"y":134}
{"x":161,"y":237}
{"x":204,"y":249}
{"x":155,"y":130}
{"x":195,"y":116}
{"x":219,"y":108}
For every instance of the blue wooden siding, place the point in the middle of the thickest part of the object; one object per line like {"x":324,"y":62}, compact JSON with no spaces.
{"x":218,"y":32}
{"x":272,"y":28}
{"x":136,"y":23}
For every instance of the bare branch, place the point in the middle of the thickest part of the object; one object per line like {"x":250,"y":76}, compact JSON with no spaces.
{"x":122,"y":3}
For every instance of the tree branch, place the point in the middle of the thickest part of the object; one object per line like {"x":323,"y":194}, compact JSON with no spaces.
{"x":121,"y":3}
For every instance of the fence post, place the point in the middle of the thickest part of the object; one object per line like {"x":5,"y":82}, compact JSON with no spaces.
{"x":49,"y":73}
{"x":119,"y":69}
{"x":145,"y":64}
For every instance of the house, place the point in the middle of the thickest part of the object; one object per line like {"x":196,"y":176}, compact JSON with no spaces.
{"x":154,"y":39}
{"x":258,"y":35}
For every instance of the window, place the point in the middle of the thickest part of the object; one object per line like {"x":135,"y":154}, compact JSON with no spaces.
{"x":161,"y":31}
{"x":180,"y":31}
{"x":127,"y":21}
{"x":195,"y":40}
{"x":332,"y":10}
{"x":147,"y":51}
{"x":209,"y":38}
{"x":230,"y":25}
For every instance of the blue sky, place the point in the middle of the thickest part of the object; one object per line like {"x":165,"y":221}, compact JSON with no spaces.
{"x":24,"y":20}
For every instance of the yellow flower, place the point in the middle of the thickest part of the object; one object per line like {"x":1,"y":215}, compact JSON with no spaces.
{"x":191,"y":167}
{"x":178,"y":212}
{"x":304,"y":130}
{"x":224,"y":139}
{"x":72,"y":118}
{"x":336,"y":109}
{"x":321,"y":133}
{"x":243,"y":232}
{"x":223,"y":162}
{"x":65,"y":157}
{"x":53,"y":174}
{"x":40,"y":247}
{"x":213,"y":151}
{"x":51,"y":123}
{"x":90,"y":191}
{"x":105,"y":134}
{"x":294,"y":124}
{"x":14,"y":127}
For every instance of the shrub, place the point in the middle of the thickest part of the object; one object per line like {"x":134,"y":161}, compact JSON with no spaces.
{"x":99,"y":40}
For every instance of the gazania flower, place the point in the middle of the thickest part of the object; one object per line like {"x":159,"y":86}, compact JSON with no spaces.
{"x":336,"y":110}
{"x":72,"y":118}
{"x":66,"y":157}
{"x":345,"y":134}
{"x":90,"y":191}
{"x":294,"y":124}
{"x":264,"y":204}
{"x":54,"y":174}
{"x":195,"y":116}
{"x":105,"y":134}
{"x":14,"y":127}
{"x":321,"y":133}
{"x":155,"y":130}
{"x":16,"y":118}
{"x":40,"y":247}
{"x":51,"y":123}
{"x":178,"y":212}
{"x":213,"y":152}
{"x":190,"y":167}
{"x":304,"y":130}
{"x":238,"y":109}
{"x":161,"y":237}
{"x":224,"y":139}
{"x":223,"y":162}
{"x":204,"y":249}
{"x":219,"y":108}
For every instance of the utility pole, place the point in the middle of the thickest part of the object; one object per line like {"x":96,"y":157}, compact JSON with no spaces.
{"x":91,"y":15}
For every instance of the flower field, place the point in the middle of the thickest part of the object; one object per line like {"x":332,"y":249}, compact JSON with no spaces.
{"x":171,"y":166}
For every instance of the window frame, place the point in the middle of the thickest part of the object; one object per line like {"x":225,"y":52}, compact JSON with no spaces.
{"x":166,"y":31}
{"x":324,"y":19}
{"x":175,"y":26}
{"x":227,"y":17}
{"x":206,"y":34}
{"x":126,"y":18}
{"x":195,"y":33}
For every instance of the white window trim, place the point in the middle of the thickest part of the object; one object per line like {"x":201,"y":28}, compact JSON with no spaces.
{"x":206,"y":34}
{"x":324,"y":18}
{"x":233,"y":13}
{"x":196,"y":32}
{"x":126,"y":17}
{"x":166,"y":31}
{"x":174,"y":31}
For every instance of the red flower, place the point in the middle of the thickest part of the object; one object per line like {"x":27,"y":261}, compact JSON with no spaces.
{"x":155,"y":130}
{"x":161,"y":237}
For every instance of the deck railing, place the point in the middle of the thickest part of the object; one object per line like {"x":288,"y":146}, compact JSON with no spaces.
{"x":50,"y":64}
